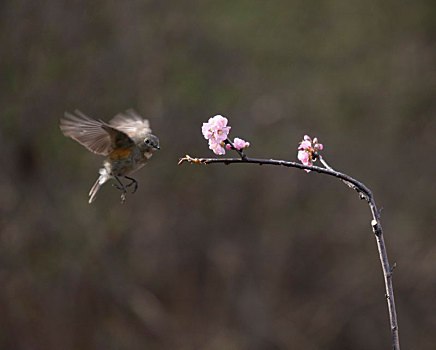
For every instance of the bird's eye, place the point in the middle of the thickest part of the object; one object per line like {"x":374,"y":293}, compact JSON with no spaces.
{"x":147,"y":141}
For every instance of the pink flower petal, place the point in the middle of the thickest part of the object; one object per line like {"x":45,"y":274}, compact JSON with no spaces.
{"x":221,"y":134}
{"x":218,"y":122}
{"x":306,"y":145}
{"x":304,"y":157}
{"x":206,"y":130}
{"x":216,"y":147}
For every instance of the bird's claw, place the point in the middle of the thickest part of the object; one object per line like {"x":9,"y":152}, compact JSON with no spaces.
{"x":133,"y":182}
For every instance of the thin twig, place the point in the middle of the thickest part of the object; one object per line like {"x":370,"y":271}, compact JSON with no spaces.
{"x":364,"y":193}
{"x":349,"y":184}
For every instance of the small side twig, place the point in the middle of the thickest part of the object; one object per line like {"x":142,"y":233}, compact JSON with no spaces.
{"x":349,"y":184}
{"x":240,"y":152}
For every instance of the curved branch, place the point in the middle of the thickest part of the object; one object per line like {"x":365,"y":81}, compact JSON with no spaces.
{"x":360,"y":187}
{"x":364,"y":193}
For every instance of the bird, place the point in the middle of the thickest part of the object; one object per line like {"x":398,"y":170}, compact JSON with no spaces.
{"x":126,"y":141}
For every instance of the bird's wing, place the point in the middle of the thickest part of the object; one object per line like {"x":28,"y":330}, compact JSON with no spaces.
{"x":95,"y":135}
{"x":131,"y":123}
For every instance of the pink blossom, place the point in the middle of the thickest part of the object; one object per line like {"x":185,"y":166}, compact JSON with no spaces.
{"x":206,"y":130}
{"x":306,"y":145}
{"x":216,"y":147}
{"x":239,"y":144}
{"x":216,"y":128}
{"x":220,"y":121}
{"x":216,"y":131}
{"x":307,"y":150}
{"x":304,"y":157}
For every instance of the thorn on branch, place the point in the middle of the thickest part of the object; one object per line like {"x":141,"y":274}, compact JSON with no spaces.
{"x":391,"y":269}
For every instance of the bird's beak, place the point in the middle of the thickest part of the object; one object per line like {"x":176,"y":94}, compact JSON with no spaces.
{"x":157,"y":147}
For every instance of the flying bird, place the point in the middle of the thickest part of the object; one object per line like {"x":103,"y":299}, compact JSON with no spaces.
{"x":126,"y":141}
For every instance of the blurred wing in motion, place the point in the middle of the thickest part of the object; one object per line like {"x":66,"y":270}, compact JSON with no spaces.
{"x":131,"y":123}
{"x":95,"y":135}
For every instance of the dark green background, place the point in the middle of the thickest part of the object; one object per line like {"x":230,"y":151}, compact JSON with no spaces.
{"x":216,"y":257}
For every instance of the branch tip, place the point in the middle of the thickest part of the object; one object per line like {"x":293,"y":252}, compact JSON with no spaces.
{"x":190,"y":160}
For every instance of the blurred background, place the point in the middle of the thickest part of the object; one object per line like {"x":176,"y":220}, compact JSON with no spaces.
{"x":218,"y":257}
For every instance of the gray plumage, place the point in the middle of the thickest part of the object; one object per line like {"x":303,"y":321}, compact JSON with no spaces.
{"x":126,"y":140}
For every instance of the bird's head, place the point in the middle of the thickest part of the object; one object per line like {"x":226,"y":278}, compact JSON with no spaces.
{"x":151,"y":143}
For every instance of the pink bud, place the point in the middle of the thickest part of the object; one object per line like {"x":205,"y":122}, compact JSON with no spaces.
{"x":240,"y":143}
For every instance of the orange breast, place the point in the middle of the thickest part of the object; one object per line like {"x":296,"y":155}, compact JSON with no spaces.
{"x":120,"y":153}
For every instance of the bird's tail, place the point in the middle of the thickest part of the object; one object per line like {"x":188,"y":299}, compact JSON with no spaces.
{"x":104,"y":176}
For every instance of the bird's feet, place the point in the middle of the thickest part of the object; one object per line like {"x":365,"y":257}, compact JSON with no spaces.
{"x":133,"y":182}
